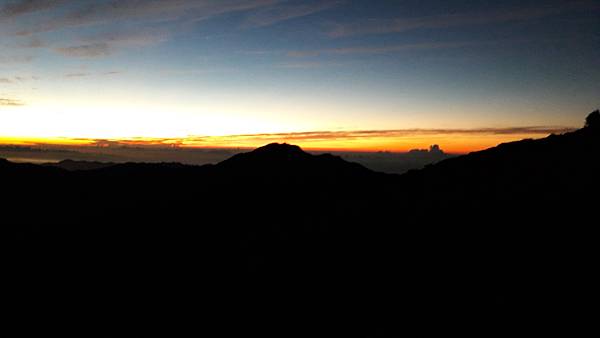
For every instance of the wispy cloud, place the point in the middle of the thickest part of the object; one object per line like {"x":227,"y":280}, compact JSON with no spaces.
{"x":22,"y":7}
{"x":272,"y":15}
{"x":361,"y":134}
{"x":154,"y":21}
{"x":86,"y":74}
{"x":33,"y":42}
{"x":7,"y":102}
{"x":148,"y":22}
{"x":301,"y":65}
{"x":381,"y":26}
{"x":306,"y":53}
{"x":323,"y":137}
{"x":16,"y":79}
{"x":140,"y":37}
{"x":381,"y":49}
{"x":369,"y":50}
{"x":86,"y":51}
{"x":86,"y":13}
{"x":75,"y":75}
{"x":15,"y":59}
{"x":108,"y":42}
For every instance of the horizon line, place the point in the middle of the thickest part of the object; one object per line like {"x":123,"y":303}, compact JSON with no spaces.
{"x":395,"y":140}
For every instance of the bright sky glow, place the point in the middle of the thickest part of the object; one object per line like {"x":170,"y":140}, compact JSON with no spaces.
{"x":202,"y":73}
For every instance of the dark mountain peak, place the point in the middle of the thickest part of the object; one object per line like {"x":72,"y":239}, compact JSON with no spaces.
{"x":280,"y":150}
{"x":287,"y":159}
{"x":72,"y":165}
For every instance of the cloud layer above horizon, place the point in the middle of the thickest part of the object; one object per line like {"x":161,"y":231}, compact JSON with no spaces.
{"x":399,"y":140}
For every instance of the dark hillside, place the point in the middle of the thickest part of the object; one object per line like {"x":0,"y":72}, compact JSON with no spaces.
{"x":279,"y":242}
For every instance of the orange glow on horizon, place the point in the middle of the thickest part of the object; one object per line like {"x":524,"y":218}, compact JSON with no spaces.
{"x":37,"y":141}
{"x":451,"y":141}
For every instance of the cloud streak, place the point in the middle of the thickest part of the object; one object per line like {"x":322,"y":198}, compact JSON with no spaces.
{"x":275,"y":14}
{"x":86,"y":51}
{"x":23,"y":7}
{"x":105,"y":44}
{"x":360,"y":134}
{"x":17,"y":79}
{"x":87,"y":13}
{"x":400,"y":25}
{"x":148,"y":22}
{"x":381,"y":49}
{"x":76,"y":75}
{"x":122,"y":38}
{"x":15,"y":59}
{"x":7,"y":102}
{"x":86,"y":74}
{"x":318,"y":137}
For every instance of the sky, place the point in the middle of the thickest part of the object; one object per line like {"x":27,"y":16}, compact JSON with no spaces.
{"x":339,"y":74}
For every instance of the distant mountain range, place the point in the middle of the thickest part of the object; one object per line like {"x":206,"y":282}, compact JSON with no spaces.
{"x":284,"y":243}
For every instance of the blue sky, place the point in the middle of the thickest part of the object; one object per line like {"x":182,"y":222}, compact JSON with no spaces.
{"x":148,"y":68}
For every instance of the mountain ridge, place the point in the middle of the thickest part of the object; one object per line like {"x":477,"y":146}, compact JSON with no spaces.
{"x":483,"y":242}
{"x":285,"y":159}
{"x":285,"y":156}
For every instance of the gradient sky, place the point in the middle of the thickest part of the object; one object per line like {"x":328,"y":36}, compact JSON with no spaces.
{"x":465,"y":74}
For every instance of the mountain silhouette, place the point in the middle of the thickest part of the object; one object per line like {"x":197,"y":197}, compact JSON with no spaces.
{"x":554,"y":163}
{"x":284,"y":159}
{"x":72,"y":165}
{"x":285,"y":243}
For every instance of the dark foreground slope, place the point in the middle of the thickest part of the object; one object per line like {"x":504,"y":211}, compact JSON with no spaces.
{"x":278,"y":242}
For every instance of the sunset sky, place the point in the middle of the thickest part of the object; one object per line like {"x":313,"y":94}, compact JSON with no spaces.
{"x":364,"y":75}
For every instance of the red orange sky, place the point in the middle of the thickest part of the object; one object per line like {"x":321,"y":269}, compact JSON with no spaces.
{"x":451,"y":140}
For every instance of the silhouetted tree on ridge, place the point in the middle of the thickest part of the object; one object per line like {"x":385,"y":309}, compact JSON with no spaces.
{"x":593,"y":119}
